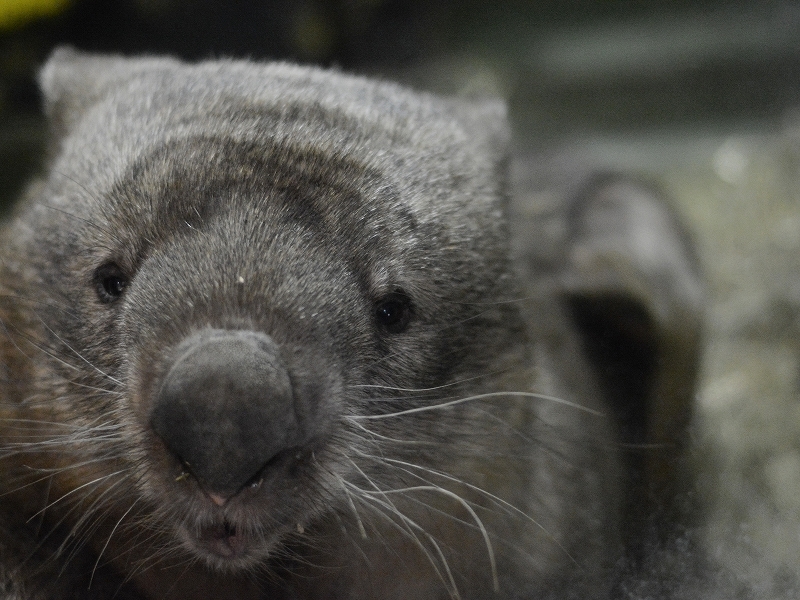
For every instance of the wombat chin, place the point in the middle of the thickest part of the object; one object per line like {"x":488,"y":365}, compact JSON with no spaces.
{"x":265,"y":337}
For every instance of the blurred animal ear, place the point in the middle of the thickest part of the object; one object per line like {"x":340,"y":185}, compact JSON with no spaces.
{"x":633,"y":286}
{"x":72,"y":82}
{"x":486,"y":121}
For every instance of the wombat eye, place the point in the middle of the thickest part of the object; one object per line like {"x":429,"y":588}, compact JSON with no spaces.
{"x":110,"y":282}
{"x":393,"y":312}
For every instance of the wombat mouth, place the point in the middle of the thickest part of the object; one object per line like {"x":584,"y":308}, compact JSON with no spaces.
{"x":223,"y":540}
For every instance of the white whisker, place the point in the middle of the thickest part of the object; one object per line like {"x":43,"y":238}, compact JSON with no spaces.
{"x":503,"y":503}
{"x":75,"y":490}
{"x":361,"y":530}
{"x":476,"y":397}
{"x":108,"y":540}
{"x":81,"y":357}
{"x":467,"y":507}
{"x":411,"y":524}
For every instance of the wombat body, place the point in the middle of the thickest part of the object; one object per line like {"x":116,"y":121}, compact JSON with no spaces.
{"x":264,"y":339}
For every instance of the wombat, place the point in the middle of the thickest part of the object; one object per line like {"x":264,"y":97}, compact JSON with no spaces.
{"x":264,"y":338}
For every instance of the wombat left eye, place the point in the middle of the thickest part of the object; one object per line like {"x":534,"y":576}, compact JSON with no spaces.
{"x":393,"y":312}
{"x":110,"y":282}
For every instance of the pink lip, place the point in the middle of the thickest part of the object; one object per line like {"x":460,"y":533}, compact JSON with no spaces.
{"x":223,"y":540}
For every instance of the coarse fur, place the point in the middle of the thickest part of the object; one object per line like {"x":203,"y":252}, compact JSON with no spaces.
{"x":453,"y":435}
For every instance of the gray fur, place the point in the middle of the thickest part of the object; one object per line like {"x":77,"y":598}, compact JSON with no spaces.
{"x":470,"y":453}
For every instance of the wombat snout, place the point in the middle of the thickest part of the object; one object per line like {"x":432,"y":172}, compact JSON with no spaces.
{"x":225,"y":408}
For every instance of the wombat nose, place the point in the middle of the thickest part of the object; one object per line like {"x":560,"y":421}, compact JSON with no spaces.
{"x":225,"y":408}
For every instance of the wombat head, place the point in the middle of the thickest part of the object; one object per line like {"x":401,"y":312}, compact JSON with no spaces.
{"x":231,"y":263}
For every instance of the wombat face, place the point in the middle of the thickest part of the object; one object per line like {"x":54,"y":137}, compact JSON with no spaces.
{"x":249,"y":287}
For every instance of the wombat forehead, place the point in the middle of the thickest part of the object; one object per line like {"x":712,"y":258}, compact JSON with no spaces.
{"x":263,"y":185}
{"x":421,"y":141}
{"x":73,"y":82}
{"x":158,"y":107}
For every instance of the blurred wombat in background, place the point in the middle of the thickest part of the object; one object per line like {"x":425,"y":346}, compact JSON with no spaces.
{"x":263,"y":338}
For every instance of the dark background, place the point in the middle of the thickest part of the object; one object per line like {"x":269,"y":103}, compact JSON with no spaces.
{"x":571,"y":67}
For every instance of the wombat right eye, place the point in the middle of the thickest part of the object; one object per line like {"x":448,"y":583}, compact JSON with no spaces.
{"x":393,"y":312}
{"x":110,"y":282}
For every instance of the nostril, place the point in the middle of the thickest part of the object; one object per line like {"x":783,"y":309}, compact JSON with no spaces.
{"x":226,"y":409}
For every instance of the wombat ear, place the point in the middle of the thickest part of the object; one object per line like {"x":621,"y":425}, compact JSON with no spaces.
{"x":486,"y":120}
{"x":633,"y":287}
{"x":72,"y":81}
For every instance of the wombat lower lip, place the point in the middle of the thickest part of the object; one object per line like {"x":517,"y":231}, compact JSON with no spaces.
{"x":222,"y":540}
{"x":226,"y":543}
{"x":228,"y":546}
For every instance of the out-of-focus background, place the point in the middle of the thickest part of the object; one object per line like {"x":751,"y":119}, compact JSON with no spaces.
{"x":703,"y":96}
